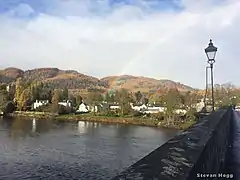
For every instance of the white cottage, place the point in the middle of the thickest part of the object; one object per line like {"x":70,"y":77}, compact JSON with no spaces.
{"x":138,"y":108}
{"x":155,"y":109}
{"x":83,"y":108}
{"x":113,"y":107}
{"x":93,"y":108}
{"x":180,"y":111}
{"x":200,"y":105}
{"x":65,"y":103}
{"x":40,"y":103}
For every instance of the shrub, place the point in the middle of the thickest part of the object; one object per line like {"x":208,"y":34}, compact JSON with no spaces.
{"x":9,"y":108}
{"x":137,"y":113}
{"x":60,"y":109}
{"x":157,"y":116}
{"x":44,"y":108}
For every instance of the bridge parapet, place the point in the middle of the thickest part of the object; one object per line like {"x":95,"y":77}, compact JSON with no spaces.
{"x":198,"y":150}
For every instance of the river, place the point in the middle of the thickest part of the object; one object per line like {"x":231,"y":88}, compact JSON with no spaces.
{"x":45,"y":149}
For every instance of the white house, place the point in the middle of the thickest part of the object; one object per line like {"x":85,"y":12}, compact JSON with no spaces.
{"x":114,"y":107}
{"x":200,"y":105}
{"x":65,"y":103}
{"x":237,"y":108}
{"x":8,"y":88}
{"x":138,"y":108}
{"x":92,"y":108}
{"x":83,"y":108}
{"x":38,"y":103}
{"x":180,"y":111}
{"x":155,"y":109}
{"x":148,"y":109}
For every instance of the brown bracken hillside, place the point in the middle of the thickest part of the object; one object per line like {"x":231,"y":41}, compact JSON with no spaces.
{"x":143,"y":84}
{"x":76,"y":81}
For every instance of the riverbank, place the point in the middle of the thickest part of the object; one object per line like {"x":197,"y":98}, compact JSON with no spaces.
{"x":34,"y":114}
{"x":141,"y":121}
{"x":125,"y":120}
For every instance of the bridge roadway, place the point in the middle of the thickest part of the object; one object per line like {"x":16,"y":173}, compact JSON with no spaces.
{"x":210,"y":149}
{"x":232,"y":165}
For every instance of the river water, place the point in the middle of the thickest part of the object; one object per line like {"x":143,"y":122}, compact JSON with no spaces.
{"x":45,"y":149}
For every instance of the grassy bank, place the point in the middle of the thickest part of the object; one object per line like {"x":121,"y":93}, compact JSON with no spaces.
{"x":34,"y":114}
{"x":104,"y":119}
{"x":124,"y":120}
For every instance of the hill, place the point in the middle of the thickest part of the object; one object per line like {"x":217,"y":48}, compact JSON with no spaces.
{"x":76,"y":81}
{"x":143,"y":84}
{"x":9,"y":75}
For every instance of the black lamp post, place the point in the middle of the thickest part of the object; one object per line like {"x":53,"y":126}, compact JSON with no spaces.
{"x":211,"y":53}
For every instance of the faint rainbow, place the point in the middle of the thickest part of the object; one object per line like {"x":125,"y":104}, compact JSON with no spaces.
{"x":135,"y":59}
{"x":153,"y":46}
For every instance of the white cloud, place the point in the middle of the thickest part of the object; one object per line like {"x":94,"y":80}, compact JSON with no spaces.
{"x":161,"y":45}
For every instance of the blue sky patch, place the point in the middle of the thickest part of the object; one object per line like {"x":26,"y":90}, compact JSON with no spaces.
{"x":95,"y":7}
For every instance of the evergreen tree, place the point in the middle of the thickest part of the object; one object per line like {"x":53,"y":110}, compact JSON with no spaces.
{"x":172,"y":99}
{"x":94,"y":98}
{"x":112,"y":98}
{"x":138,"y":96}
{"x":73,"y":100}
{"x":18,"y":92}
{"x":123,"y":98}
{"x":56,"y":97}
{"x":78,"y":100}
{"x":3,"y":100}
{"x":65,"y":94}
{"x":107,"y":97}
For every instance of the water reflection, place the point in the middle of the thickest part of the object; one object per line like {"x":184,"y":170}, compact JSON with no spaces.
{"x":22,"y":128}
{"x":38,"y":149}
{"x":81,"y":127}
{"x":33,"y":125}
{"x":91,"y":128}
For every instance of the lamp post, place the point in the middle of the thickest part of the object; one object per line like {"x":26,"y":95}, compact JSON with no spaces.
{"x":211,"y":53}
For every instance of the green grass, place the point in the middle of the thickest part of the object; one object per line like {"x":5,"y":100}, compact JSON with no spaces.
{"x":124,"y":120}
{"x":143,"y":121}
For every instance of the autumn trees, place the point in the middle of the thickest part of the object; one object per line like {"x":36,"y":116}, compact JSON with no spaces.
{"x":6,"y":104}
{"x":3,"y":98}
{"x":94,"y":98}
{"x":28,"y":92}
{"x":79,"y":100}
{"x":226,"y":96}
{"x":123,"y":97}
{"x":138,"y":96}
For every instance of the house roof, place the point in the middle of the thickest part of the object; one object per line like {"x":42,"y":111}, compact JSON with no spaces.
{"x":138,"y":104}
{"x":42,"y":101}
{"x":110,"y":104}
{"x":150,"y":109}
{"x":155,"y":105}
{"x":84,"y":103}
{"x":105,"y":105}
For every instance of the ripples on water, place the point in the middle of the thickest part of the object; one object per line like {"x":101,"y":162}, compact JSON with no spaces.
{"x":43,"y":149}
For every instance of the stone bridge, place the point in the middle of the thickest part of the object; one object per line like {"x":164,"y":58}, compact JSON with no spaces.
{"x":204,"y":151}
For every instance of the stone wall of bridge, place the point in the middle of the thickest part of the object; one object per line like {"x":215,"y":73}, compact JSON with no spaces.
{"x":194,"y":152}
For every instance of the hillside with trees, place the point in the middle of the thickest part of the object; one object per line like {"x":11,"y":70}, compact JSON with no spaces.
{"x":75,"y":81}
{"x":22,"y":94}
{"x":144,"y":84}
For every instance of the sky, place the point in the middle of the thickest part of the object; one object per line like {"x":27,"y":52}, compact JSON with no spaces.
{"x":162,"y":39}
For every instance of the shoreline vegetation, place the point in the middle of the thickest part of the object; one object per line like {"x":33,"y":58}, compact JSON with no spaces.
{"x":164,"y":106}
{"x":167,"y":108}
{"x":90,"y":117}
